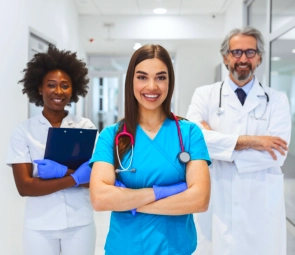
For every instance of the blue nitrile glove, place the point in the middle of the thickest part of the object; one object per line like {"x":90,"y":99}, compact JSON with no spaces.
{"x":166,"y":191}
{"x":48,"y":169}
{"x":82,"y":174}
{"x":121,"y":185}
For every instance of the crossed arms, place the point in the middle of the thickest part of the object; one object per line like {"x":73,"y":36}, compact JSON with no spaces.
{"x":249,"y":153}
{"x":107,"y":197}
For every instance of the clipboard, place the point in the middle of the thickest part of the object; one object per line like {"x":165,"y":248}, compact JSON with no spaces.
{"x":70,"y":146}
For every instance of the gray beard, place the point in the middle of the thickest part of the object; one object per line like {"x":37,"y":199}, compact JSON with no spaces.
{"x":242,"y":76}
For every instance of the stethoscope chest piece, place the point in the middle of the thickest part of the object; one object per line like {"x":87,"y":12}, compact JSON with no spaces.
{"x":184,"y":157}
{"x":220,"y":111}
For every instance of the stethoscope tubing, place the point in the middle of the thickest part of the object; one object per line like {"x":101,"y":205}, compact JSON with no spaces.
{"x":124,"y":132}
{"x":179,"y":132}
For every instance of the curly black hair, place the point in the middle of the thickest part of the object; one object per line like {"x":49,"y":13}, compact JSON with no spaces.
{"x":54,"y":59}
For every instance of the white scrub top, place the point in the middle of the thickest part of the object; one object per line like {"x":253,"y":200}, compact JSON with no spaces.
{"x":62,"y":209}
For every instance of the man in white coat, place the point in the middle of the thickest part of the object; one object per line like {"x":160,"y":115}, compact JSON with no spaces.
{"x":247,"y":130}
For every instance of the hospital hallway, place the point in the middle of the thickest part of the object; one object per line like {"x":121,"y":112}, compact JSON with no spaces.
{"x":104,"y":34}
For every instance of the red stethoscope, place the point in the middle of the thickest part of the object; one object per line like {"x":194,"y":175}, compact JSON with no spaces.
{"x":183,"y":156}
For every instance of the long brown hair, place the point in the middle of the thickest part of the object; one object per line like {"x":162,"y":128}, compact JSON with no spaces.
{"x":148,"y":51}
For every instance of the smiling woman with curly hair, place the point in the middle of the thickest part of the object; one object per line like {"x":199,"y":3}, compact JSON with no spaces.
{"x":58,"y":214}
{"x":42,"y":63}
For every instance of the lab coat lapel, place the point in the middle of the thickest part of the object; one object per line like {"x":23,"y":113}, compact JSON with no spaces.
{"x":252,"y":99}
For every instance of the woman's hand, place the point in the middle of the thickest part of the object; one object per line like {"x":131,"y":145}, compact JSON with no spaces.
{"x":191,"y":200}
{"x":105,"y":196}
{"x":121,"y":185}
{"x":82,"y":174}
{"x":49,"y":169}
{"x":28,"y":185}
{"x":167,"y":191}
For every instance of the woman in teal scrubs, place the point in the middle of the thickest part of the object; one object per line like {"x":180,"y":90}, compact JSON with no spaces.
{"x":153,"y":201}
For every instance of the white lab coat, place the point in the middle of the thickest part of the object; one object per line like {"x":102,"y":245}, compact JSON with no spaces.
{"x":246,"y":214}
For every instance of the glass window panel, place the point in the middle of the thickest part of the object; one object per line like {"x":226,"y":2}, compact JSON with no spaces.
{"x":282,"y":77}
{"x":282,"y":11}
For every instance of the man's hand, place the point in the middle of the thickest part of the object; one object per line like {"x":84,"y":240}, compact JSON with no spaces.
{"x":263,"y":143}
{"x":259,"y":143}
{"x":205,"y":125}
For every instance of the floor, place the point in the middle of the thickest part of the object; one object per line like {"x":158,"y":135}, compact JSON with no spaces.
{"x":289,"y":175}
{"x":102,"y":225}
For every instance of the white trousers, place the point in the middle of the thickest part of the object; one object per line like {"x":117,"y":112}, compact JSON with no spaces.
{"x":70,"y":241}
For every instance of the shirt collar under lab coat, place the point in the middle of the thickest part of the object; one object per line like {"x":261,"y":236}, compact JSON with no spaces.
{"x":247,"y":87}
{"x":252,"y":100}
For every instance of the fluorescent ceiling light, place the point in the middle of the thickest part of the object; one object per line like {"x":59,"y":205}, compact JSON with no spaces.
{"x":136,"y":46}
{"x":159,"y":11}
{"x":293,"y":51}
{"x":275,"y":58}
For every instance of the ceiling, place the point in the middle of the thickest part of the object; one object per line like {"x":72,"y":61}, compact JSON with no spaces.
{"x":146,"y":7}
{"x":112,"y":27}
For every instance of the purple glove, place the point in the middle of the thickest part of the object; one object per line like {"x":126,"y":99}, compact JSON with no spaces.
{"x":121,"y":185}
{"x":82,"y":174}
{"x":166,"y":191}
{"x":48,"y":169}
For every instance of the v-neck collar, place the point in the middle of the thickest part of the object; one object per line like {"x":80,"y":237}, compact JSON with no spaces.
{"x":66,"y":122}
{"x":157,"y":134}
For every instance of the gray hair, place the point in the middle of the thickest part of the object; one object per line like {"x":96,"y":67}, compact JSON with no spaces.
{"x":248,"y":31}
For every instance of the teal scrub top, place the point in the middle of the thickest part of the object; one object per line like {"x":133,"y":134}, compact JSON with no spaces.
{"x":156,"y":163}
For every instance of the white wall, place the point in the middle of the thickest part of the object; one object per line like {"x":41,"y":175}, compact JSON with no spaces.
{"x":234,"y":18}
{"x":194,"y":66}
{"x":14,"y":51}
{"x":152,"y":27}
{"x":57,"y":20}
{"x":166,"y":30}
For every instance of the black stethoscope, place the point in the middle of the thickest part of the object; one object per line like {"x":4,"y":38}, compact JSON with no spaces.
{"x":183,"y":156}
{"x":221,"y":110}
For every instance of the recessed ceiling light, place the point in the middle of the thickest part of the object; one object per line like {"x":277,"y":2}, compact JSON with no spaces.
{"x":159,"y":11}
{"x":275,"y":58}
{"x":136,"y":46}
{"x":293,"y":51}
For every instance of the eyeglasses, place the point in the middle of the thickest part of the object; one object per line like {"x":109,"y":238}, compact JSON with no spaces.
{"x":250,"y":53}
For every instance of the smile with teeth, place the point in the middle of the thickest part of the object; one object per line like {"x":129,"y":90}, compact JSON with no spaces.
{"x":57,"y":100}
{"x":151,"y":96}
{"x":242,"y":66}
